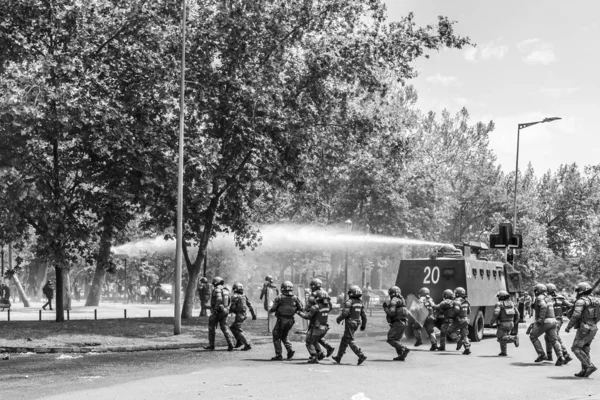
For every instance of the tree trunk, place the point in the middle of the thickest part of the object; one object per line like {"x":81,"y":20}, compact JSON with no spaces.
{"x":66,"y":290}
{"x":60,"y":311}
{"x":102,"y":260}
{"x":20,"y":290}
{"x":187,"y":310}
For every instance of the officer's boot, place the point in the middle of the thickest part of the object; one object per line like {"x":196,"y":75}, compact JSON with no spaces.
{"x":313,"y":360}
{"x":404,"y":354}
{"x":568,"y":358}
{"x":433,"y":347}
{"x":590,"y":370}
{"x":580,"y":374}
{"x":247,"y":347}
{"x":362,"y":358}
{"x":549,"y":356}
{"x":330,"y":351}
{"x":277,"y":357}
{"x":541,"y":357}
{"x":418,"y":343}
{"x":238,"y":344}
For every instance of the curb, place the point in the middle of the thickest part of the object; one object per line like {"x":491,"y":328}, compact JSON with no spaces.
{"x":176,"y":346}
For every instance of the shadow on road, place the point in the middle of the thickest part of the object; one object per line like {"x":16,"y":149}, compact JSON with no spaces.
{"x":494,"y":357}
{"x":564,"y":378}
{"x":531,"y":364}
{"x":449,"y":354}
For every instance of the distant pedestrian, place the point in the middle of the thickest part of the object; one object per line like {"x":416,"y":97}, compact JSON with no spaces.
{"x":76,"y":292}
{"x":48,"y":291}
{"x":366,"y":297}
{"x":157,"y":293}
{"x":143,"y":293}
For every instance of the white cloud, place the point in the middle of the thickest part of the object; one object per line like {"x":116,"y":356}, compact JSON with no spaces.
{"x":461,"y":101}
{"x":538,"y":51}
{"x":444,"y":80}
{"x":485,"y":52}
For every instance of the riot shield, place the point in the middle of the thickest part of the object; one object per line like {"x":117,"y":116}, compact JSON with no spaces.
{"x":303,"y":296}
{"x":416,"y":309}
{"x":271,"y":318}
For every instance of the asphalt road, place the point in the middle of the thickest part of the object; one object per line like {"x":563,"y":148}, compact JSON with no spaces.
{"x":198,"y":374}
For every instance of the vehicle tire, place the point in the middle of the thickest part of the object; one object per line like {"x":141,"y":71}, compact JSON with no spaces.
{"x":476,"y":330}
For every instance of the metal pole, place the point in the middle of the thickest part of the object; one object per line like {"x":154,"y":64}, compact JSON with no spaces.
{"x":2,"y":277}
{"x":126,"y":287}
{"x":346,"y":275}
{"x":177,"y":288}
{"x":516,"y":179}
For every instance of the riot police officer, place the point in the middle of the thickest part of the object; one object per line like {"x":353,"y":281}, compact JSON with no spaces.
{"x":446,"y":312}
{"x":219,"y":311}
{"x":266,"y":286}
{"x":561,"y":306}
{"x":506,"y":314}
{"x":315,"y":286}
{"x":396,"y":315}
{"x":429,"y":323}
{"x":204,"y":296}
{"x":545,"y":324}
{"x":460,"y":322}
{"x":584,"y":317}
{"x":239,"y":306}
{"x":318,"y":326}
{"x":284,"y":307}
{"x":353,"y":314}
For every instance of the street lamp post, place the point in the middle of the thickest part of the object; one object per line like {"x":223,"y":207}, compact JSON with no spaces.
{"x":523,"y":126}
{"x":349,"y":227}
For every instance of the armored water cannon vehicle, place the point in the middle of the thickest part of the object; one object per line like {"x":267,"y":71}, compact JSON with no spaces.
{"x":452,"y":266}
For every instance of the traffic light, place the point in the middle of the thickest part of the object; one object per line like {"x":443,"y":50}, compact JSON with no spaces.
{"x":510,"y":257}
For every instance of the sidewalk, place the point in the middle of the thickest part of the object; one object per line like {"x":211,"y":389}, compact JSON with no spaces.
{"x":112,"y":332}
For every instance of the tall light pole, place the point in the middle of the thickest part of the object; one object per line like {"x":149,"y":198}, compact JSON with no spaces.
{"x":179,"y":244}
{"x":349,"y":227}
{"x":523,"y":126}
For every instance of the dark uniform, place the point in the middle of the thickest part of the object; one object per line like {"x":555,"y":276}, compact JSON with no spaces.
{"x":284,"y":307}
{"x":204,"y":296}
{"x":317,"y":314}
{"x":545,"y":324}
{"x":321,"y":343}
{"x":219,"y":311}
{"x":354,"y":315}
{"x":585,"y":317}
{"x":446,"y":312}
{"x":506,"y":315}
{"x":239,"y":306}
{"x":4,"y":296}
{"x":396,"y":315}
{"x":460,"y":323}
{"x":429,"y":323}
{"x":561,"y":306}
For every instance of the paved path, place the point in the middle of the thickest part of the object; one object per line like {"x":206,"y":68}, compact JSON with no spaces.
{"x":198,"y":374}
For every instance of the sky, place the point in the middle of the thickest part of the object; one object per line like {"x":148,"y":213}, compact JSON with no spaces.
{"x":533,"y":59}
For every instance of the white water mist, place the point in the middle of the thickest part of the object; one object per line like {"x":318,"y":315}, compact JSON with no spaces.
{"x":283,"y":238}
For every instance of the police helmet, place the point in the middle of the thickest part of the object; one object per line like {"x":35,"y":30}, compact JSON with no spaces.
{"x":269,"y":278}
{"x":287,"y":288}
{"x":460,"y":292}
{"x":394,"y":291}
{"x":238,"y":288}
{"x":540,"y":288}
{"x":502,"y":295}
{"x":561,"y":296}
{"x":316,"y":284}
{"x":448,"y":294}
{"x":424,"y":292}
{"x":321,"y":296}
{"x":354,"y":292}
{"x":311,"y":301}
{"x":203,"y":280}
{"x":583,"y":288}
{"x":551,"y":287}
{"x":217,"y":280}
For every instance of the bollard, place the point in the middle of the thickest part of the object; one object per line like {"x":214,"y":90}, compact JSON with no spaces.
{"x":40,"y":315}
{"x":125,"y":313}
{"x":68,"y":315}
{"x":95,"y":313}
{"x":148,"y":313}
{"x":9,"y":315}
